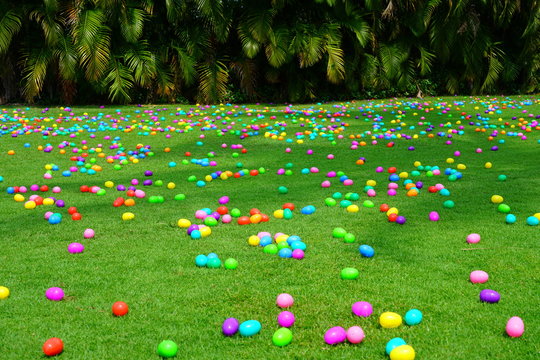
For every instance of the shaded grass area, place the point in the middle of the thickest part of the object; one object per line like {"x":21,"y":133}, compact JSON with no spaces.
{"x":149,"y":262}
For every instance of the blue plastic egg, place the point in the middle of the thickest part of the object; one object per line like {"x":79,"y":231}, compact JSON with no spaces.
{"x":394,"y":343}
{"x":366,"y":251}
{"x":285,"y":253}
{"x":266,"y":240}
{"x":201,"y":260}
{"x":212,"y":256}
{"x":413,"y":317}
{"x":250,"y":328}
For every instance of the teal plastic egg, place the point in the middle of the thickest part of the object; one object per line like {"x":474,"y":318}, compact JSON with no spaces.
{"x":250,"y":328}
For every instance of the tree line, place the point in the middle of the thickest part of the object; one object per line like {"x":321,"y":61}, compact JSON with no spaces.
{"x":122,"y":51}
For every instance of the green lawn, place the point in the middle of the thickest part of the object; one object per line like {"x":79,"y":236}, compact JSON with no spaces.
{"x":149,"y":262}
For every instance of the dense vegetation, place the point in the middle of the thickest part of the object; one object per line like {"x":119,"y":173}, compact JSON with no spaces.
{"x":295,"y":50}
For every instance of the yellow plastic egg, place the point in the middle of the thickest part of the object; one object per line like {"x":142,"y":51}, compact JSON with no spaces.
{"x":4,"y":292}
{"x":48,"y":201}
{"x":278,"y":214}
{"x":403,"y":175}
{"x":392,"y":211}
{"x":205,"y":230}
{"x":537,"y":215}
{"x":128,"y":216}
{"x":171,"y":185}
{"x":30,"y":205}
{"x":353,"y":208}
{"x":281,"y":238}
{"x":184,"y":223}
{"x":403,"y":352}
{"x":417,"y":163}
{"x":371,"y":183}
{"x":488,"y":165}
{"x":390,"y":320}
{"x":461,"y":167}
{"x":254,"y":240}
{"x":223,"y":176}
{"x":109,"y":184}
{"x":497,"y":199}
{"x":450,"y":161}
{"x":18,"y":198}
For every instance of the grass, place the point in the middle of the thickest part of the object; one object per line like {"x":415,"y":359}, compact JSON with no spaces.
{"x":149,"y":262}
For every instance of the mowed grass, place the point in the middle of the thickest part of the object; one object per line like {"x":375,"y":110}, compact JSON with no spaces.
{"x":149,"y":262}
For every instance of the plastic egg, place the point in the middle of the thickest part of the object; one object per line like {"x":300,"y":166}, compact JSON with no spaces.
{"x":54,"y":294}
{"x":362,"y":308}
{"x":394,"y":343}
{"x":89,"y":233}
{"x":167,"y":349}
{"x":75,"y":248}
{"x":489,"y":296}
{"x":403,"y":352}
{"x":473,"y":238}
{"x":349,"y":273}
{"x":510,"y":218}
{"x":184,"y":223}
{"x":250,"y":328}
{"x":230,"y":264}
{"x":434,"y":216}
{"x":515,"y":327}
{"x":230,"y":327}
{"x":497,"y":199}
{"x":532,"y":221}
{"x":366,"y":251}
{"x":53,"y":347}
{"x":355,"y":334}
{"x":478,"y":277}
{"x":4,"y":292}
{"x":282,"y":337}
{"x":201,"y":260}
{"x":284,"y":300}
{"x":286,"y":319}
{"x":298,"y":254}
{"x":413,"y":317}
{"x":389,"y":320}
{"x":335,"y":335}
{"x":128,"y":216}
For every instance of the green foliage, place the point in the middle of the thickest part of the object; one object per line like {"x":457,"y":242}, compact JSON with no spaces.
{"x":171,"y":49}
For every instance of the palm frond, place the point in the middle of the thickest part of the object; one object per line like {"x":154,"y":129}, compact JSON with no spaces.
{"x":187,"y":65}
{"x":276,"y":49}
{"x":247,"y":72}
{"x":141,"y":62}
{"x":119,"y":81}
{"x":132,"y":24}
{"x":67,"y":58}
{"x":213,"y":78}
{"x":250,"y":45}
{"x":35,"y":66}
{"x":425,"y":60}
{"x":10,"y":24}
{"x":92,"y":39}
{"x":335,"y":70}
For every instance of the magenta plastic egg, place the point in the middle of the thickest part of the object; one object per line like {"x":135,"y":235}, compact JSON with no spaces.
{"x":89,"y":233}
{"x":473,"y":238}
{"x":433,"y":216}
{"x":371,"y":193}
{"x":478,"y":277}
{"x":362,"y":308}
{"x":54,"y":294}
{"x":349,"y":182}
{"x":286,"y":319}
{"x":75,"y":248}
{"x":391,"y":192}
{"x":284,"y":300}
{"x":515,"y":327}
{"x":298,"y":254}
{"x":223,"y":200}
{"x":355,"y":334}
{"x":335,"y":335}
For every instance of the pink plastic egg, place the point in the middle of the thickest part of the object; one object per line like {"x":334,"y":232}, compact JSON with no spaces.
{"x":226,"y":218}
{"x":473,"y":238}
{"x":478,"y":277}
{"x":326,"y":184}
{"x":355,"y":334}
{"x":515,"y":327}
{"x":89,"y":233}
{"x":284,"y":300}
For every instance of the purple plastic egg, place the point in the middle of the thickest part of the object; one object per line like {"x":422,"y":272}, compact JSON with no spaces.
{"x":54,"y":294}
{"x":335,"y":335}
{"x":286,"y":319}
{"x":489,"y":296}
{"x":75,"y":248}
{"x":60,"y":203}
{"x":362,"y":308}
{"x":401,"y":220}
{"x":230,"y":326}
